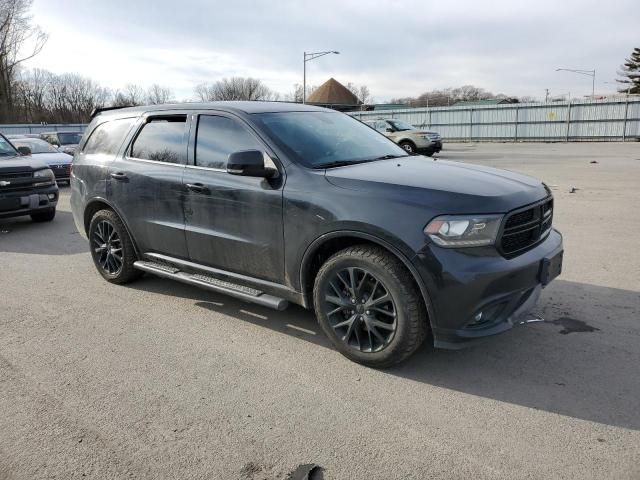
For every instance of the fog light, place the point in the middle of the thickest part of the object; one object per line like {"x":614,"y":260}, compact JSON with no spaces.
{"x":52,"y":196}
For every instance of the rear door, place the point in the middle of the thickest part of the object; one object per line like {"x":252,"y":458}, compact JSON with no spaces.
{"x":233,"y":223}
{"x":146,"y":183}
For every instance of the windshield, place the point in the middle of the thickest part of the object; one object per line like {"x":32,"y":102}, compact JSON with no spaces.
{"x":401,"y":126}
{"x":322,"y":139}
{"x":69,"y":138}
{"x":6,"y":150}
{"x":36,"y":145}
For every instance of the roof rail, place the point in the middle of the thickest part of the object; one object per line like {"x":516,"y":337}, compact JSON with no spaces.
{"x":96,"y":111}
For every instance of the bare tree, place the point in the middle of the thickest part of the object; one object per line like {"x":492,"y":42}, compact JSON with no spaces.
{"x":449,"y":96}
{"x":235,"y":88}
{"x":131,"y":96}
{"x":19,"y":41}
{"x":42,"y":96}
{"x":295,"y":96}
{"x":361,"y":92}
{"x":157,"y":95}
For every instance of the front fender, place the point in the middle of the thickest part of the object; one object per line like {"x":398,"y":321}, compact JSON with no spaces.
{"x":387,"y":241}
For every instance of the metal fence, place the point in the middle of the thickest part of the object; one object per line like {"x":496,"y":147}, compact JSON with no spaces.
{"x":26,"y":128}
{"x":612,"y":119}
{"x":615,"y":119}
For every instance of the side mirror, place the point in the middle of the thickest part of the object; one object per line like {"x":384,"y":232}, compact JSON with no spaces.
{"x":249,"y":163}
{"x":24,"y":150}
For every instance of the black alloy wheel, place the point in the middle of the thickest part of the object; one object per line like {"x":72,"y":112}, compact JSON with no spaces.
{"x":360,"y":309}
{"x":107,"y":247}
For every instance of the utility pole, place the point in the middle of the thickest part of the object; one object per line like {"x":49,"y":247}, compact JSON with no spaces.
{"x":546,"y":95}
{"x":588,"y":73}
{"x":307,"y":58}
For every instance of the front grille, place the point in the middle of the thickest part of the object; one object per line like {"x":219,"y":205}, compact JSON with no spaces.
{"x":61,"y":171}
{"x":525,"y":228}
{"x":8,"y":176}
{"x":17,"y":181}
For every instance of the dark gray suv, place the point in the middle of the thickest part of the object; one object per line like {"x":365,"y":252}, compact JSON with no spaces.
{"x":275,"y":203}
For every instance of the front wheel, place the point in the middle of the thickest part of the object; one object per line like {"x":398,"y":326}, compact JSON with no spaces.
{"x":111,"y":248}
{"x":369,"y":306}
{"x":408,"y":147}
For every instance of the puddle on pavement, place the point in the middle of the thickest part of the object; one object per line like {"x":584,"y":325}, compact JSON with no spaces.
{"x":571,"y":325}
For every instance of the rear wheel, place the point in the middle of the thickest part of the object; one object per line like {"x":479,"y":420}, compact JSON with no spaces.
{"x":369,"y":306}
{"x":409,"y":147}
{"x":45,"y":216}
{"x":111,"y":248}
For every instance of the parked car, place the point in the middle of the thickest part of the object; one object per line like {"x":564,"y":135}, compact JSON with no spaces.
{"x":22,"y":135}
{"x":65,"y":141}
{"x":57,"y":161}
{"x":412,"y":139}
{"x":274,"y":203}
{"x":27,"y":186}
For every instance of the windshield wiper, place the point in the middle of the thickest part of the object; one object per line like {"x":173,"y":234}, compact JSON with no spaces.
{"x":389,"y":157}
{"x":341,"y":163}
{"x":344,"y":163}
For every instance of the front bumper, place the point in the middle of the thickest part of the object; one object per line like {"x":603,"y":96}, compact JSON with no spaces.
{"x":464,"y":284}
{"x":19,"y":203}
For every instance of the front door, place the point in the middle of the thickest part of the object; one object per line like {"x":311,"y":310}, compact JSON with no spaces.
{"x":233,"y":223}
{"x":146,"y":182}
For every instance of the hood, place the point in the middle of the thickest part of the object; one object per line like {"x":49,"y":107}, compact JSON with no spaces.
{"x":418,"y":132}
{"x":20,"y":164}
{"x":57,"y":158}
{"x":70,"y":147}
{"x":451,"y":187}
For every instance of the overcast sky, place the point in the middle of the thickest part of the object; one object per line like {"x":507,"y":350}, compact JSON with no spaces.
{"x":397,"y":48}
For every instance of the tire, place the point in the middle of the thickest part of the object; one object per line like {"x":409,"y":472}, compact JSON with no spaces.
{"x":350,"y":325}
{"x":112,"y":249}
{"x":45,"y":216}
{"x":408,"y":146}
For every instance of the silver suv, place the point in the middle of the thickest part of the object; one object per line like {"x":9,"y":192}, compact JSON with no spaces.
{"x":407,"y":136}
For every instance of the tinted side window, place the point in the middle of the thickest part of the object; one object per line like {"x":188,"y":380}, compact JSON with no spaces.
{"x":107,"y":137}
{"x":217,"y":137}
{"x":161,"y":139}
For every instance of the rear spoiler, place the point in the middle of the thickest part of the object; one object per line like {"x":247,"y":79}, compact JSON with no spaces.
{"x":97,"y":111}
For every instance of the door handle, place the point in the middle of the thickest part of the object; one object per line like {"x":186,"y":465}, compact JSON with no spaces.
{"x":197,"y":187}
{"x":119,"y":176}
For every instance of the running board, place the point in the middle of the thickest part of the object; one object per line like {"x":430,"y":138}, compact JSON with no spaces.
{"x":213,"y":284}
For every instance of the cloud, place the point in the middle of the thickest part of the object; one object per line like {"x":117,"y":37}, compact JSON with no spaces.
{"x":397,"y":48}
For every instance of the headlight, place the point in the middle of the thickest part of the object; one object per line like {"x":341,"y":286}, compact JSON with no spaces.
{"x":46,"y":175}
{"x":452,"y":231}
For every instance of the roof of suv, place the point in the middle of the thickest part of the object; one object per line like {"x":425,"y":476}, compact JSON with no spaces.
{"x":231,"y":106}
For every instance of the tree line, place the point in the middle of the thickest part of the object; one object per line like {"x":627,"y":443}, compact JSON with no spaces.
{"x":35,"y":96}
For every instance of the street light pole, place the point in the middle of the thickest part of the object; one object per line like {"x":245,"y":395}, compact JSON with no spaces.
{"x":307,"y":58}
{"x":588,"y":73}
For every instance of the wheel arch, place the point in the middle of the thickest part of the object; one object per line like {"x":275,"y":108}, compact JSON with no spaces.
{"x":95,"y":205}
{"x":328,"y":244}
{"x":408,"y":140}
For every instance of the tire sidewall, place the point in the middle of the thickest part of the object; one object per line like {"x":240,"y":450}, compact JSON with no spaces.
{"x":410,"y":145}
{"x":100,"y":217}
{"x":395,"y":289}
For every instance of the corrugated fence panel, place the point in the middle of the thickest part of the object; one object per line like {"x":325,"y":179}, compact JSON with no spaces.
{"x":19,"y":129}
{"x":557,"y":121}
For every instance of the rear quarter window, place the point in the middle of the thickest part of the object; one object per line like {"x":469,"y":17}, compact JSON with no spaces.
{"x":107,"y":137}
